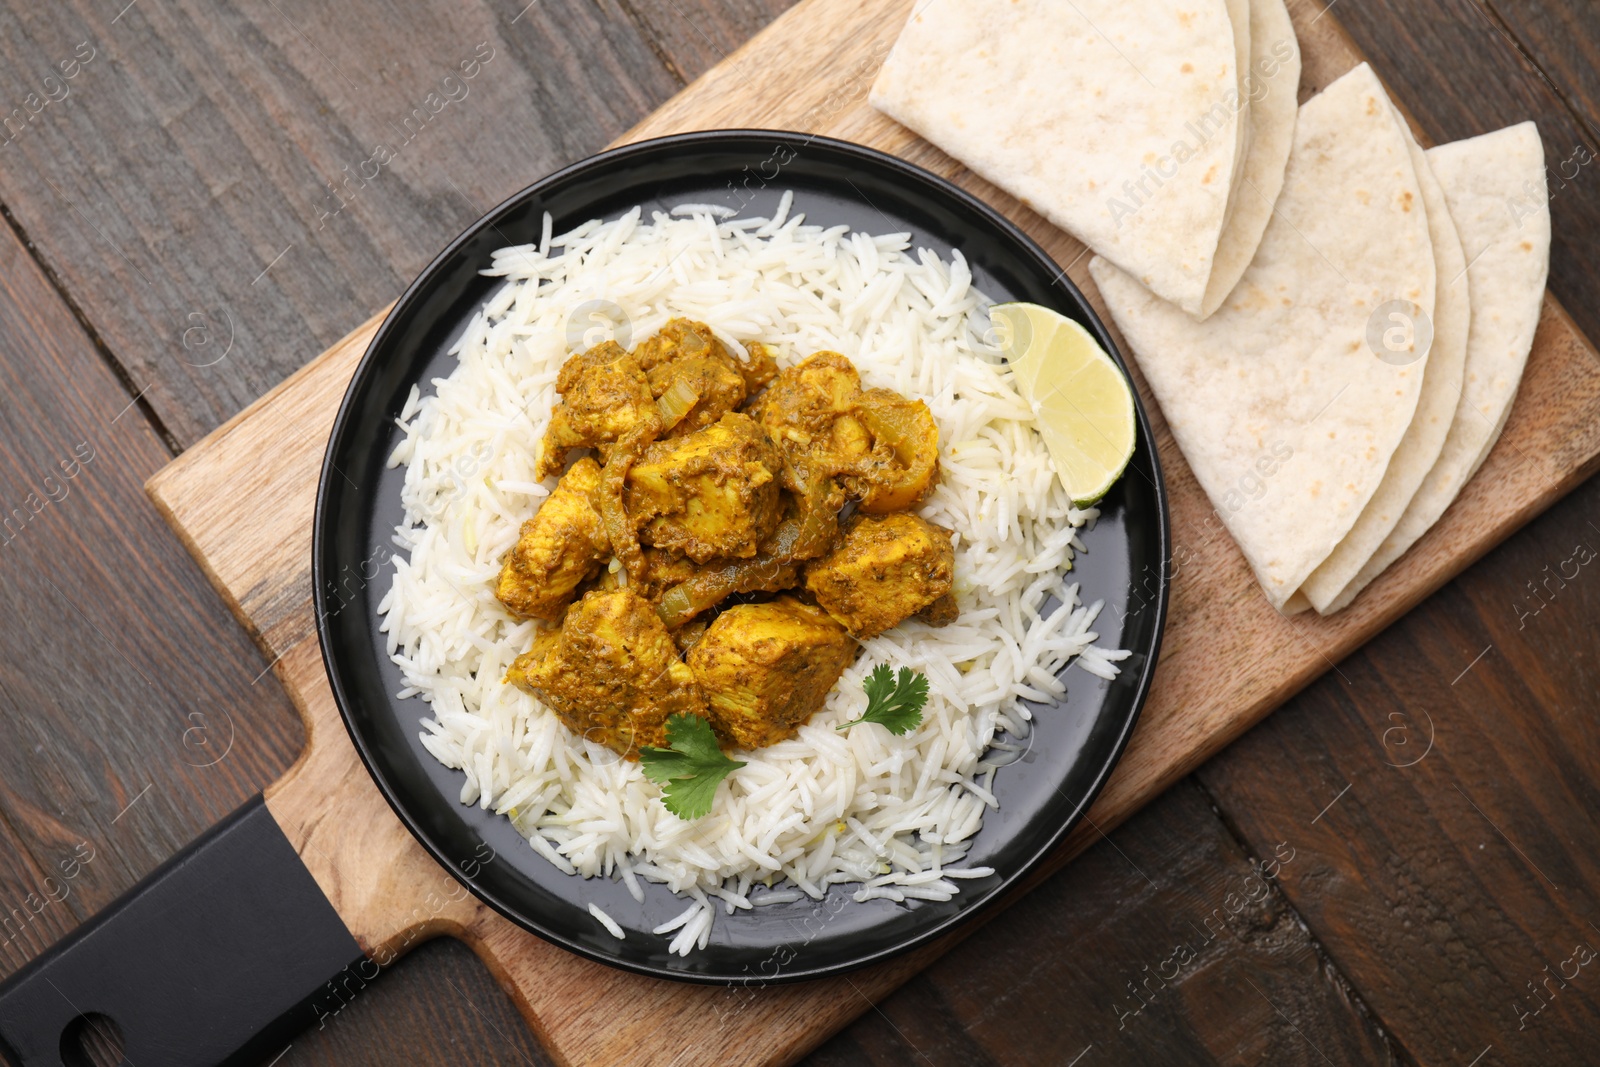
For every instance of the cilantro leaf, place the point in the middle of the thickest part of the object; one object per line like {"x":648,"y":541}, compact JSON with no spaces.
{"x":689,"y":768}
{"x":893,"y":702}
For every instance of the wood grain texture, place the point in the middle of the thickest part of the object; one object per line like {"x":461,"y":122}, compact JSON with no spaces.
{"x":1193,"y":712}
{"x":437,"y":1006}
{"x":1561,"y":40}
{"x":132,"y":712}
{"x":1434,"y":865}
{"x":1463,"y":857}
{"x":1221,"y":970}
{"x":690,"y":38}
{"x":212,"y":178}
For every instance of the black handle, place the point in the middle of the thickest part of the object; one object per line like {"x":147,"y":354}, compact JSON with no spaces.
{"x":219,"y":956}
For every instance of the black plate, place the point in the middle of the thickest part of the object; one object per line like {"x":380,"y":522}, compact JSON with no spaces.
{"x":1074,"y":745}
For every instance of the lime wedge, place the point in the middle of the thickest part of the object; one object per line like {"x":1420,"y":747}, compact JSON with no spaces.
{"x":1082,"y":402}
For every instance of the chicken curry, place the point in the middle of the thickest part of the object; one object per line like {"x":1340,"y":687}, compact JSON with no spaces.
{"x":710,"y":477}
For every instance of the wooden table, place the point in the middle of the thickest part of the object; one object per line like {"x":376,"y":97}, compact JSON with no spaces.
{"x":188,"y":218}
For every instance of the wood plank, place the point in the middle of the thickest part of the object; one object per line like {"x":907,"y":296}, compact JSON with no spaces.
{"x":437,"y":1006}
{"x":203,"y":144}
{"x":1560,"y":38}
{"x":1192,"y":714}
{"x":691,"y":36}
{"x":97,"y":783}
{"x":291,"y":422}
{"x":1467,"y":867}
{"x":1167,"y":907}
{"x":123,"y":682}
{"x":39,"y":877}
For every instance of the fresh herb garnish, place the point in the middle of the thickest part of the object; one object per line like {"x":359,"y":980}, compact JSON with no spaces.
{"x":895,"y":703}
{"x":689,"y":768}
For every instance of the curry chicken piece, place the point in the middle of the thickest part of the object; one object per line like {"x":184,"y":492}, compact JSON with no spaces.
{"x":679,"y":339}
{"x":693,"y":377}
{"x":694,"y":393}
{"x":611,"y":673}
{"x":605,"y":398}
{"x":808,"y":411}
{"x":683,"y":339}
{"x":902,"y":467}
{"x":766,"y":668}
{"x":712,"y":493}
{"x":663,"y":570}
{"x":561,"y":547}
{"x":877,"y":446}
{"x":886,"y":569}
{"x":761,"y":368}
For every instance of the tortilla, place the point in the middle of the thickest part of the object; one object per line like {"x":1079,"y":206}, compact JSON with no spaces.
{"x":1495,"y":187}
{"x":1436,"y":405}
{"x":1270,"y":86}
{"x":1118,"y":122}
{"x":1239,"y":24}
{"x":1285,"y":415}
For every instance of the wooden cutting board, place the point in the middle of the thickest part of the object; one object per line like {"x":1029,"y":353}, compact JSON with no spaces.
{"x":242,"y":501}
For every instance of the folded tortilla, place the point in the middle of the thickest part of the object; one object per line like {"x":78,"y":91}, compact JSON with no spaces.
{"x":1239,"y":25}
{"x":1436,"y":404}
{"x":1284,"y":413}
{"x":1270,"y":85}
{"x":1118,"y":122}
{"x":1495,"y":187}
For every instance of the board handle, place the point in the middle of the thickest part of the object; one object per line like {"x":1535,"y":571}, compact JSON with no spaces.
{"x":218,"y":956}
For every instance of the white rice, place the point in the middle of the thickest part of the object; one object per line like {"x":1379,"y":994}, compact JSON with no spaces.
{"x":607,"y":921}
{"x":892,"y":815}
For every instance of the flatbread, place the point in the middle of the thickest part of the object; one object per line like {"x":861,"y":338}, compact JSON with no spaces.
{"x":1271,"y":85}
{"x":1285,"y":415}
{"x":1239,"y":23}
{"x":1118,"y":122}
{"x":1436,"y":404}
{"x":1495,"y":186}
